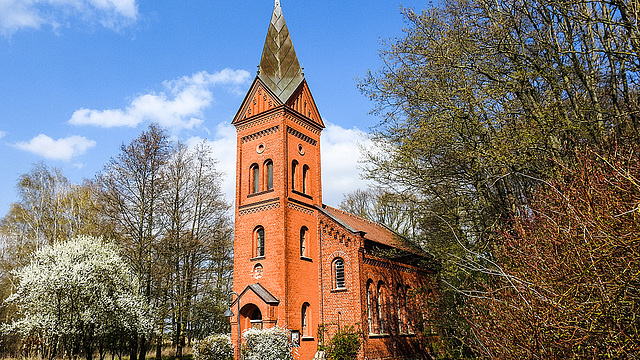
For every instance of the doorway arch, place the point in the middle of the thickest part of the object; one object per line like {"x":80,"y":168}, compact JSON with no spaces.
{"x":250,"y":317}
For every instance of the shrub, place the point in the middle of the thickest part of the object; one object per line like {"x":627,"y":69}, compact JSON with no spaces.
{"x":344,"y":345}
{"x":214,"y":347}
{"x":268,"y":344}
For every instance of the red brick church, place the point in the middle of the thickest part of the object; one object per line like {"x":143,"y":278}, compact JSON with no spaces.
{"x":298,"y":263}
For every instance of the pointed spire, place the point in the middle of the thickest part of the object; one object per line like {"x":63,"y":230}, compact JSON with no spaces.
{"x":279,"y":67}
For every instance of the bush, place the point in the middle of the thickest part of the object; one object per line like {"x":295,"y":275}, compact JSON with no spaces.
{"x":268,"y":344}
{"x":214,"y":347}
{"x":344,"y":345}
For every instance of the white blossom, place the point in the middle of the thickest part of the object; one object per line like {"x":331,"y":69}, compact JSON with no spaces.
{"x":78,"y":290}
{"x":267,"y":344}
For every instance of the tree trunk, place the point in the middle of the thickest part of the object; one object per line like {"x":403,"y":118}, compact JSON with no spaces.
{"x":143,"y":348}
{"x":159,"y":344}
{"x":133,"y":348}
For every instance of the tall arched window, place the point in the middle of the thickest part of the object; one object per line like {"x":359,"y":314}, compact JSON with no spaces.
{"x":408,"y":309}
{"x":304,"y":326}
{"x":401,"y":307}
{"x":304,"y":250}
{"x":370,"y":305}
{"x":380,"y":304}
{"x":305,"y":175}
{"x":294,"y":169}
{"x":269,"y":181}
{"x":259,"y":241}
{"x":338,"y":274}
{"x":255,"y":179}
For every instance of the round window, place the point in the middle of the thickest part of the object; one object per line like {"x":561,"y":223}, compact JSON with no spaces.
{"x":257,"y":271}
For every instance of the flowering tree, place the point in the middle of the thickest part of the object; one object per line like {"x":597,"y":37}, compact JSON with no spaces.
{"x":77,"y":295}
{"x":214,"y":347}
{"x":267,"y":344}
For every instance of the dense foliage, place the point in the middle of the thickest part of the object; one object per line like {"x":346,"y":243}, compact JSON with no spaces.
{"x":344,"y":345}
{"x":267,"y":344}
{"x":214,"y":347}
{"x":564,"y":282}
{"x":481,"y":103}
{"x":78,"y":294}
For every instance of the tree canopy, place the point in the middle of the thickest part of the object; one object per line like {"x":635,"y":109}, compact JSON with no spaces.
{"x":482,"y":103}
{"x":78,"y":294}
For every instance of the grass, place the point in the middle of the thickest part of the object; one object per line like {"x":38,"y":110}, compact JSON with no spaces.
{"x":168,"y":353}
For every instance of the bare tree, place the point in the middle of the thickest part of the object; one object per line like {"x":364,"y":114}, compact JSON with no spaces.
{"x":132,"y":185}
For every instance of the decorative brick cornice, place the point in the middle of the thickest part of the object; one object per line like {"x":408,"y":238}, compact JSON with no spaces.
{"x":260,"y":134}
{"x":301,"y":136}
{"x":304,"y":124}
{"x":259,"y":120}
{"x":335,"y":233}
{"x":302,"y":209}
{"x":259,"y":208}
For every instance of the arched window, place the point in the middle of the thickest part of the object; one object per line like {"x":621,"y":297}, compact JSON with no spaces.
{"x":380,"y":304}
{"x":259,"y":241}
{"x":304,"y":251}
{"x":269,"y":181}
{"x":401,"y":310}
{"x":255,"y":179}
{"x":305,"y":175}
{"x":338,"y":274}
{"x":305,"y":326}
{"x":294,"y":169}
{"x":370,"y":305}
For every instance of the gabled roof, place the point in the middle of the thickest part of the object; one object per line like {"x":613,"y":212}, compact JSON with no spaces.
{"x":370,"y":230}
{"x":279,"y":66}
{"x":262,"y":293}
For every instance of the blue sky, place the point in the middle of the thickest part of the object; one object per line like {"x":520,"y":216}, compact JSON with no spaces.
{"x":79,"y":78}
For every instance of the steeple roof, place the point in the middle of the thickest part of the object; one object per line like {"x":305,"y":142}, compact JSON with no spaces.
{"x":279,"y":66}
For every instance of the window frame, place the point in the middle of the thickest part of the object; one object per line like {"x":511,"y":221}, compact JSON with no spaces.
{"x":259,"y":236}
{"x":335,"y":269}
{"x":294,"y":170}
{"x":268,"y":165}
{"x":304,"y":320}
{"x":380,"y":303}
{"x":304,"y":243}
{"x":305,"y":178}
{"x":254,"y":186}
{"x":370,"y":305}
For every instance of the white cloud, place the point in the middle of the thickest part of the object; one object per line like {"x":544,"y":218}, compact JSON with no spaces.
{"x":224,"y":149}
{"x":339,"y":155}
{"x":340,"y":152}
{"x":61,"y":149}
{"x":17,"y":15}
{"x":3,"y":134}
{"x":180,"y":106}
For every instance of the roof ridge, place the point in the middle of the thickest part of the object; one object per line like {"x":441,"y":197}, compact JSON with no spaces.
{"x":360,"y":217}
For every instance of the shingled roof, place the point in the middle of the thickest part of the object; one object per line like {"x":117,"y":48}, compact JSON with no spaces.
{"x":370,"y":230}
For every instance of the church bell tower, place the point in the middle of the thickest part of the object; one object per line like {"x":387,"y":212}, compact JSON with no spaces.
{"x":278,"y":192}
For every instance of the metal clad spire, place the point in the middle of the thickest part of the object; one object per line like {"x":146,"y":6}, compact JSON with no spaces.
{"x":279,"y":66}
